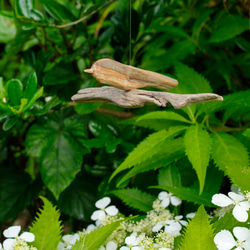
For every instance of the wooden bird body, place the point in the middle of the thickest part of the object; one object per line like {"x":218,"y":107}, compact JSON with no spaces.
{"x":127,"y":77}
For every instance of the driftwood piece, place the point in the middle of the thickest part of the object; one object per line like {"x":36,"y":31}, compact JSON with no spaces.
{"x":138,"y":97}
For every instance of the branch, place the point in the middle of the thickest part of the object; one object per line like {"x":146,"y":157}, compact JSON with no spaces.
{"x":85,"y":17}
{"x":138,"y":97}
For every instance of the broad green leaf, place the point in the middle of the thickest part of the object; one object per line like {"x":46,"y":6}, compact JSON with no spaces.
{"x":78,"y":200}
{"x":189,"y":194}
{"x":22,"y":104}
{"x":47,"y":227}
{"x":171,"y":151}
{"x":135,"y":198}
{"x":96,"y":238}
{"x":14,"y":90}
{"x":58,"y":144}
{"x":10,"y":122}
{"x":169,"y":176}
{"x":31,"y":86}
{"x":229,"y":27}
{"x":164,"y":115}
{"x":15,"y":184}
{"x":36,"y":95}
{"x":228,"y":152}
{"x":198,"y":143}
{"x":7,"y":29}
{"x":146,"y":149}
{"x":86,"y":108}
{"x":199,"y":232}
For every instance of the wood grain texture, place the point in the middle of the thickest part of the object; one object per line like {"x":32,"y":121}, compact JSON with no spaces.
{"x":137,"y":98}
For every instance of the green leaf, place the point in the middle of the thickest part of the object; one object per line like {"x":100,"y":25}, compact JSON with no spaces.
{"x":198,"y":143}
{"x":2,"y":90}
{"x":164,"y":115}
{"x":47,"y":227}
{"x":57,"y":10}
{"x":135,"y":198}
{"x":227,"y":222}
{"x":189,"y":194}
{"x":171,"y":151}
{"x":229,"y":27}
{"x":199,"y":232}
{"x":86,"y":108}
{"x":10,"y":122}
{"x":14,"y":92}
{"x":23,"y":7}
{"x":7,"y":29}
{"x":146,"y":149}
{"x":31,"y":86}
{"x":36,"y":96}
{"x":96,"y":238}
{"x":58,"y":144}
{"x":169,"y":176}
{"x":228,"y":152}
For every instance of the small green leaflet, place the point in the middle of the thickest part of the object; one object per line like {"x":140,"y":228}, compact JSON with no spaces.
{"x":228,"y":152}
{"x":14,"y":90}
{"x":169,"y":176}
{"x":135,"y":198}
{"x":199,"y":233}
{"x":47,"y":227}
{"x":197,"y":143}
{"x":96,"y":238}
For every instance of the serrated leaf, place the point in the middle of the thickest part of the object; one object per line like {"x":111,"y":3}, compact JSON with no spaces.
{"x":199,"y":233}
{"x":146,"y":149}
{"x":229,"y":27}
{"x":135,"y":198}
{"x":31,"y":86}
{"x":47,"y":227}
{"x":189,"y":194}
{"x":171,"y":151}
{"x":96,"y":238}
{"x":228,"y":152}
{"x":197,"y":143}
{"x":58,"y":144}
{"x":10,"y":122}
{"x":164,"y":115}
{"x":14,"y":92}
{"x":169,"y":176}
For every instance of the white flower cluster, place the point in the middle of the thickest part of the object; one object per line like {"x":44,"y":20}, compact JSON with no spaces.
{"x":13,"y":241}
{"x":240,"y":204}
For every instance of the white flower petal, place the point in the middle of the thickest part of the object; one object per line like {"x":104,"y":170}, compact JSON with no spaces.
{"x":125,"y":248}
{"x":157,"y":227}
{"x":12,"y":231}
{"x":246,"y":244}
{"x":183,"y":222}
{"x":175,"y":201}
{"x":178,"y":217}
{"x":102,"y":203}
{"x":28,"y":237}
{"x":111,"y":245}
{"x":131,"y":240}
{"x":236,"y":197}
{"x":71,"y":239}
{"x":224,"y":240}
{"x":240,"y":214}
{"x":175,"y":226}
{"x":221,"y":200}
{"x":238,"y":248}
{"x":241,"y":233}
{"x":190,"y":215}
{"x":90,"y":228}
{"x":165,"y":202}
{"x":98,"y":215}
{"x":245,"y":205}
{"x":162,"y":195}
{"x":61,"y":246}
{"x":111,"y":210}
{"x":136,"y":248}
{"x":7,"y":244}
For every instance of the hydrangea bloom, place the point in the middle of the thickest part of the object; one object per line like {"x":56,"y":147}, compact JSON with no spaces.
{"x":132,"y":242}
{"x":171,"y":226}
{"x":111,"y":245}
{"x":68,"y":241}
{"x":224,"y":240}
{"x":105,"y":210}
{"x":11,"y":234}
{"x":241,"y":205}
{"x":167,"y":198}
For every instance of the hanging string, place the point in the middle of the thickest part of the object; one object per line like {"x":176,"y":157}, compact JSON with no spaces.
{"x":130,"y":32}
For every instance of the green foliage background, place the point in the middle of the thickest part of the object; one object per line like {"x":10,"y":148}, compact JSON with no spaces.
{"x":67,"y":152}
